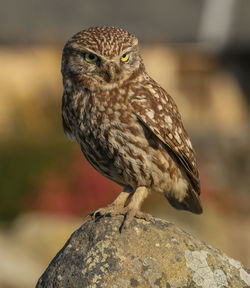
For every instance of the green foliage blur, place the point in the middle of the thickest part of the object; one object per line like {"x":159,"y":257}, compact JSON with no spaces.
{"x":24,"y":158}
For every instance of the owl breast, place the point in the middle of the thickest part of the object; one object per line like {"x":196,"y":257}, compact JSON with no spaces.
{"x":120,"y":147}
{"x":105,"y":136}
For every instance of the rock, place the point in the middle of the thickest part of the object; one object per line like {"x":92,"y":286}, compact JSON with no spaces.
{"x":147,"y":254}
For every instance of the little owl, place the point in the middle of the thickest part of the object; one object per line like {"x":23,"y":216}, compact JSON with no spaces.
{"x":128,"y":126}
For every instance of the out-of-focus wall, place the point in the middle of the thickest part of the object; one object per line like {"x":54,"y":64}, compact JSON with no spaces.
{"x":214,"y":22}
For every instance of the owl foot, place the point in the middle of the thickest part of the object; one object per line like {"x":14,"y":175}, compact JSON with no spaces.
{"x":130,"y":211}
{"x":133,"y":208}
{"x":111,"y":209}
{"x":130,"y":214}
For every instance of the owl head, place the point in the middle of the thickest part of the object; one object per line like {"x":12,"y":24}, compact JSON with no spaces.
{"x":101,"y":55}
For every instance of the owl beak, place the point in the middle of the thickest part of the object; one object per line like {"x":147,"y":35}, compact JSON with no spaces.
{"x":111,"y":72}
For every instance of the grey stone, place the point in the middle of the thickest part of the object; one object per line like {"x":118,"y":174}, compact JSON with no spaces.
{"x":147,"y":254}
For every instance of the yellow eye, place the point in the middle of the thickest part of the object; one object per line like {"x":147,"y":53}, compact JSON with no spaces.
{"x":90,"y":57}
{"x":125,"y":57}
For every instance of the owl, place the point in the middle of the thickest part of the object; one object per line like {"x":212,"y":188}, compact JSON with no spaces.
{"x":127,"y":125}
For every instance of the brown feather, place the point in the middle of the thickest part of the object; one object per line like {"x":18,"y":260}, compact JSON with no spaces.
{"x":181,"y":151}
{"x":127,"y":126}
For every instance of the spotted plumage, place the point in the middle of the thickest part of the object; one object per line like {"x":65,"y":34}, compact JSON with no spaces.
{"x":128,"y":127}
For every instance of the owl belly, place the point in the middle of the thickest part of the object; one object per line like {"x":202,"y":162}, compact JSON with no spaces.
{"x":98,"y":155}
{"x":126,"y":155}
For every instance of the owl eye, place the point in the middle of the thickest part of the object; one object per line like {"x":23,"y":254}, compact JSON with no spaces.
{"x":90,"y":57}
{"x":125,"y":57}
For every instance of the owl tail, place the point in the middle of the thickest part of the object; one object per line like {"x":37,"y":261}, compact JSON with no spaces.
{"x":191,"y":202}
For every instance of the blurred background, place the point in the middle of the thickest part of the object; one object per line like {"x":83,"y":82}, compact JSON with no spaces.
{"x":197,"y":49}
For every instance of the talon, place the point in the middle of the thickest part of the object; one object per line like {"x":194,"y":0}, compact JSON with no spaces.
{"x":106,"y":211}
{"x":96,"y":214}
{"x":131,"y":214}
{"x":98,"y":218}
{"x":106,"y":214}
{"x":118,"y":208}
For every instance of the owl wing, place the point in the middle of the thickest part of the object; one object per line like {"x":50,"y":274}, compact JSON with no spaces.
{"x":158,"y":112}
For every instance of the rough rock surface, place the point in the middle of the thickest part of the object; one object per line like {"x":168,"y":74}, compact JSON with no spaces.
{"x":147,"y":254}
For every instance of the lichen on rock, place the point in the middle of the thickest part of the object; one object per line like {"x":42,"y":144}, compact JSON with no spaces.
{"x":147,"y":254}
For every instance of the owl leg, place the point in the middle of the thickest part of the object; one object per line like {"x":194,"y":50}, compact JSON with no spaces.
{"x":115,"y":207}
{"x":133,"y":208}
{"x":130,"y":211}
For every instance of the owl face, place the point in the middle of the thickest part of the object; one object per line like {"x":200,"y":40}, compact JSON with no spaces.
{"x":104,"y":55}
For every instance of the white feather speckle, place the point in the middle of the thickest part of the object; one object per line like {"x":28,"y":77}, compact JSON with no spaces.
{"x":102,"y":108}
{"x":117,"y":106}
{"x":168,"y":119}
{"x":177,"y":137}
{"x":110,"y":111}
{"x":189,"y":143}
{"x":140,"y":98}
{"x":150,"y":114}
{"x":117,"y":114}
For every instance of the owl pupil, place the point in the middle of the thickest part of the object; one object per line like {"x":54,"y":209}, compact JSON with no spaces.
{"x":91,"y":56}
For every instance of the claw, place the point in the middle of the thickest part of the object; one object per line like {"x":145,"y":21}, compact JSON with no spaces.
{"x":98,"y":218}
{"x":96,"y":214}
{"x":107,"y":214}
{"x":127,"y":212}
{"x":118,"y":208}
{"x":129,"y":216}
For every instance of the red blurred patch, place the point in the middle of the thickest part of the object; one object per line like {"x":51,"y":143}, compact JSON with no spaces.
{"x":78,"y":190}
